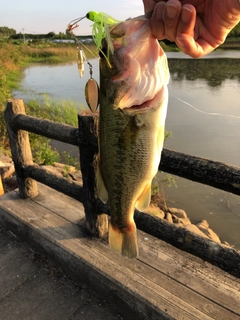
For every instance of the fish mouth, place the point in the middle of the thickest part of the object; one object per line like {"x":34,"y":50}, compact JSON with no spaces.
{"x":141,"y":65}
{"x":146,"y":105}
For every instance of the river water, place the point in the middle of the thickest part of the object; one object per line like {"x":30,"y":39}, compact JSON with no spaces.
{"x":203,"y":116}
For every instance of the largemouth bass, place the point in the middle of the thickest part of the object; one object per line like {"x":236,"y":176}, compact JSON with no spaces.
{"x":133,"y":107}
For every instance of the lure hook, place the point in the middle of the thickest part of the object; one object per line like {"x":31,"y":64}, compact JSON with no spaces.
{"x":74,"y":24}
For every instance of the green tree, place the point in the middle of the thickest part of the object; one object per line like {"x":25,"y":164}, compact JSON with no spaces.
{"x":7,"y":32}
{"x":51,"y":35}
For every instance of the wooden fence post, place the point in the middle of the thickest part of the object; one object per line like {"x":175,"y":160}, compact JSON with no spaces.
{"x":97,"y":222}
{"x":20,"y":147}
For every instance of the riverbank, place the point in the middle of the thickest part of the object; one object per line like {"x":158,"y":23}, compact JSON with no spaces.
{"x":15,"y":57}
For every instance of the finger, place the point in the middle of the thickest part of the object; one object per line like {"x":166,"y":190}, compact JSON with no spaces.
{"x":187,"y":20}
{"x":185,"y":32}
{"x":157,"y":24}
{"x":188,"y":45}
{"x":195,"y":49}
{"x":171,"y":16}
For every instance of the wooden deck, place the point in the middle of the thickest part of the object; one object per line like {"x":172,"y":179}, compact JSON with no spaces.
{"x":163,"y":283}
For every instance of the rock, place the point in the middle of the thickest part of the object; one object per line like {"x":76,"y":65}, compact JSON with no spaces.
{"x":59,"y":169}
{"x":63,"y":166}
{"x":10,"y":184}
{"x":169,"y":217}
{"x":175,"y":219}
{"x":76,"y":176}
{"x":178,"y":216}
{"x":202,"y":224}
{"x":7,"y":170}
{"x":155,"y":211}
{"x":5,"y":158}
{"x":225,"y":243}
{"x":53,"y":170}
{"x":180,"y":221}
{"x":180,"y":213}
{"x":194,"y":229}
{"x":204,"y":227}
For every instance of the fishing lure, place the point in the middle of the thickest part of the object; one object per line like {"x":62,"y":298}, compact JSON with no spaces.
{"x":100,"y":31}
{"x":100,"y":27}
{"x":80,"y":61}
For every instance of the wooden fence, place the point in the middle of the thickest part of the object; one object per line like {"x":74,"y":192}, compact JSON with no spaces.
{"x":205,"y":171}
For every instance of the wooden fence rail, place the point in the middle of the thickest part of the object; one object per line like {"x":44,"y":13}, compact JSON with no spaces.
{"x":213,"y":173}
{"x":205,"y":171}
{"x":46,"y":128}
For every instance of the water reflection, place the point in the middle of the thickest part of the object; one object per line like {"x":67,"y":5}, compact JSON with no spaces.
{"x":213,"y":71}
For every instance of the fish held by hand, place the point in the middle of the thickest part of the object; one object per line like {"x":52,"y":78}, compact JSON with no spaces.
{"x":133,"y":107}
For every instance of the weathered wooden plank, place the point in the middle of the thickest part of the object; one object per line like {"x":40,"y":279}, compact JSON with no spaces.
{"x":63,"y":185}
{"x":47,"y":128}
{"x":170,"y":277}
{"x":192,"y":273}
{"x":143,"y":283}
{"x":64,"y":205}
{"x":213,"y":173}
{"x":199,"y":280}
{"x":222,"y":256}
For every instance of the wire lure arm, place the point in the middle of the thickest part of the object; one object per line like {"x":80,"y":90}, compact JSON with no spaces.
{"x":100,"y":30}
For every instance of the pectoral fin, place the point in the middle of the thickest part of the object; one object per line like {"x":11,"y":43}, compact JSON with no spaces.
{"x":102,"y":191}
{"x":145,"y":198}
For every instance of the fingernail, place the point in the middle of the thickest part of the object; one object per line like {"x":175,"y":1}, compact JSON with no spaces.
{"x":171,"y":11}
{"x":186,"y":15}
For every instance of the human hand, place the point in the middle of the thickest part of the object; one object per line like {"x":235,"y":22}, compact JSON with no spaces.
{"x":197,"y":26}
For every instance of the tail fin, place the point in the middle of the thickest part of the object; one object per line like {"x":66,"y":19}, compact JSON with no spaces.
{"x":124,"y":242}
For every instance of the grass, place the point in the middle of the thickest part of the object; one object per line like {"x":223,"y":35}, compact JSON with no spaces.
{"x":15,"y":56}
{"x":63,"y":111}
{"x":56,"y":53}
{"x":12,"y":61}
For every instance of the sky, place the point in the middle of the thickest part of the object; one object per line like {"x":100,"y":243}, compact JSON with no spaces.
{"x":43,"y":16}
